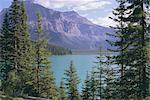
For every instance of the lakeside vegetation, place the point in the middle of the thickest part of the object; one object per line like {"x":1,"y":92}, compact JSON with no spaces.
{"x":25,"y":69}
{"x":58,"y":50}
{"x":55,"y":49}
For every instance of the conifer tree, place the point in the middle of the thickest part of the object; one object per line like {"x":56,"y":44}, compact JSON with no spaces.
{"x":38,"y":54}
{"x":47,"y":84}
{"x":86,"y":89}
{"x":13,"y":69}
{"x":72,"y":82}
{"x":44,"y":81}
{"x":16,"y":38}
{"x":26,"y":51}
{"x":106,"y":78}
{"x":93,"y":85}
{"x":62,"y":91}
{"x":109,"y":89}
{"x":4,"y":44}
{"x":133,"y":44}
{"x":100,"y":74}
{"x":120,"y":45}
{"x":139,"y":59}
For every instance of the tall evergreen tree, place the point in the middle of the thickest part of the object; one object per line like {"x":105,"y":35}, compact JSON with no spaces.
{"x":86,"y":89}
{"x":38,"y":54}
{"x":62,"y":91}
{"x":132,"y":47}
{"x":109,"y":89}
{"x":26,"y":51}
{"x":106,"y":77}
{"x":13,"y":69}
{"x":5,"y":46}
{"x":94,"y":85}
{"x":100,"y":73}
{"x":15,"y":34}
{"x":139,"y":59}
{"x":120,"y":45}
{"x":44,"y":81}
{"x":72,"y":82}
{"x":47,"y":84}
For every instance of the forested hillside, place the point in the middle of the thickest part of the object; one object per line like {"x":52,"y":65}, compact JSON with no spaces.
{"x":58,"y":50}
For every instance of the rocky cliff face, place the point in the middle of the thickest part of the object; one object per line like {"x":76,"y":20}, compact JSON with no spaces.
{"x":67,"y":29}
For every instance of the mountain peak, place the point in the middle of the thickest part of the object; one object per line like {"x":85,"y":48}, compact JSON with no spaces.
{"x":66,"y":29}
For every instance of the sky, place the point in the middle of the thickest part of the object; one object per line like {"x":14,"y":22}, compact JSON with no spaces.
{"x":97,"y":11}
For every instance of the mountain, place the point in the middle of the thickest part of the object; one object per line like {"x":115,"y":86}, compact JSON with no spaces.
{"x":67,"y":29}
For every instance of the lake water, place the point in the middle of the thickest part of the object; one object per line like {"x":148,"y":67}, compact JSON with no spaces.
{"x":83,"y":63}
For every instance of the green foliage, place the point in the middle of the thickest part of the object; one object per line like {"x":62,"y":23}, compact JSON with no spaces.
{"x":5,"y":48}
{"x":62,"y":91}
{"x":139,"y":59}
{"x":93,"y":86}
{"x":121,"y":45}
{"x":43,"y":80}
{"x":100,"y":75}
{"x":131,"y":44}
{"x":72,"y":82}
{"x":47,"y":84}
{"x":86,"y":88}
{"x":26,"y":70}
{"x":101,"y":82}
{"x":23,"y":64}
{"x":58,"y":50}
{"x":15,"y":51}
{"x":109,"y":89}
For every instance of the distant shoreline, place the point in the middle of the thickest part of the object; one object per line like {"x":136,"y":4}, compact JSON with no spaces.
{"x":84,"y":52}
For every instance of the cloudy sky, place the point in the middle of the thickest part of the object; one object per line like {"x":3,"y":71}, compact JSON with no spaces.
{"x":97,"y":11}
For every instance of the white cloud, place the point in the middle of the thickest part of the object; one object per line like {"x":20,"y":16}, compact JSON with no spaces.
{"x":50,"y":3}
{"x":82,"y":5}
{"x":85,"y":15}
{"x":93,"y":5}
{"x":105,"y":21}
{"x":74,"y":4}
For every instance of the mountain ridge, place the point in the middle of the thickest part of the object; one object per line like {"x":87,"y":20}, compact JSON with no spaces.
{"x":67,"y":29}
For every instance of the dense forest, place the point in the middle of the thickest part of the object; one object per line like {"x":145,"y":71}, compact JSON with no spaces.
{"x":25,"y":70}
{"x":58,"y":50}
{"x":55,"y":49}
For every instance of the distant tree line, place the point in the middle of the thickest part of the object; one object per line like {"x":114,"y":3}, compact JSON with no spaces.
{"x":58,"y":50}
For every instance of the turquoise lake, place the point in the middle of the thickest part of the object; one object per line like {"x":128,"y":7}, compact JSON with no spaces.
{"x":83,"y":63}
